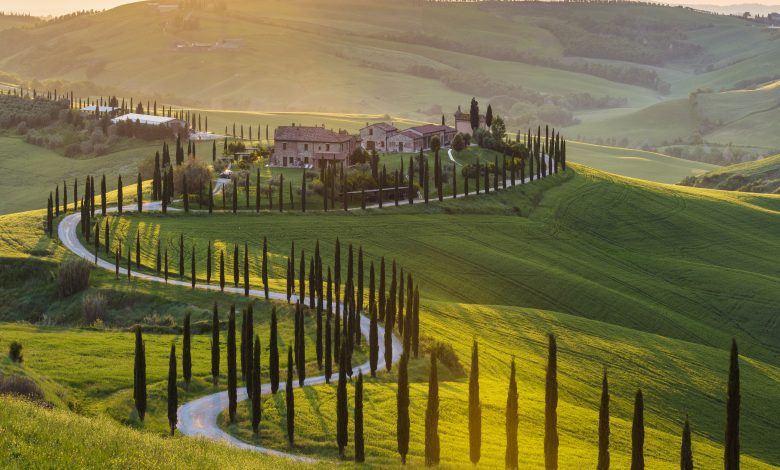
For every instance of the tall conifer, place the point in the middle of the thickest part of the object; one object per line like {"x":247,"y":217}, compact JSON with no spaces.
{"x":475,"y":408}
{"x":551,"y":407}
{"x":638,"y":433}
{"x":432,"y":445}
{"x":731,"y":454}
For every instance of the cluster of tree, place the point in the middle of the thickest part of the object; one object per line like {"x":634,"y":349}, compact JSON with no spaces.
{"x":30,"y":111}
{"x":142,"y":131}
{"x":393,"y":299}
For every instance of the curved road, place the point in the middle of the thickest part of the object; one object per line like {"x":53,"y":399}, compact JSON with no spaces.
{"x":199,"y":417}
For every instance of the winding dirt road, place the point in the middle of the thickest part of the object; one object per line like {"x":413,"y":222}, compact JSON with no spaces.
{"x":199,"y":417}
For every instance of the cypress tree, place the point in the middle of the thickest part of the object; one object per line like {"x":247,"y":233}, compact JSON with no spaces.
{"x":432,"y":446}
{"x":410,"y":183}
{"x":290,"y":282}
{"x":638,"y":434}
{"x":551,"y":407}
{"x":373,"y":340}
{"x":359,"y":443}
{"x":158,"y":256}
{"x":265,"y":267}
{"x":511,"y":421}
{"x":140,"y":193}
{"x":231,"y":358}
{"x":118,"y":194}
{"x":246,"y":270}
{"x":342,"y":416}
{"x":273,"y":360}
{"x":686,"y":452}
{"x":328,"y":352}
{"x":475,"y":408}
{"x":139,"y":375}
{"x":402,"y":402}
{"x":173,"y":391}
{"x":731,"y":455}
{"x":103,"y":195}
{"x":250,"y":333}
{"x":165,"y":269}
{"x":381,"y":296}
{"x":290,"y":397}
{"x":416,"y":323}
{"x":300,"y":345}
{"x":256,"y":387}
{"x":235,"y":266}
{"x":215,"y":345}
{"x":186,"y":359}
{"x":603,"y":463}
{"x":360,"y":277}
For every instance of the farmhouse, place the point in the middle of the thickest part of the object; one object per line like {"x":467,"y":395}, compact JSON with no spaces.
{"x":301,"y":146}
{"x":374,"y":136}
{"x":151,"y":120}
{"x":463,"y":122}
{"x":418,"y":138}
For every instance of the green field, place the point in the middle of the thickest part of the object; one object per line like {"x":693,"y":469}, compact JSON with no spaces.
{"x":103,"y":443}
{"x":29,"y":172}
{"x":600,"y":260}
{"x":760,"y":176}
{"x":406,"y":59}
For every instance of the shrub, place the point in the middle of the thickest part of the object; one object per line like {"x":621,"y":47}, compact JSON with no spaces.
{"x":446,"y":355}
{"x":15,"y":351}
{"x":94,"y":308}
{"x":21,"y":386}
{"x":73,"y":276}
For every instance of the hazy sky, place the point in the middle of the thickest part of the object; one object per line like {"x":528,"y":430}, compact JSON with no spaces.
{"x":58,"y":7}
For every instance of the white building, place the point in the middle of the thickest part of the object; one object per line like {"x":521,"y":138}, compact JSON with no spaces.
{"x":151,"y":120}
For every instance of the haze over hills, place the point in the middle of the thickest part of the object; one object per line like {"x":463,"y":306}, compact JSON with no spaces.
{"x":563,"y":64}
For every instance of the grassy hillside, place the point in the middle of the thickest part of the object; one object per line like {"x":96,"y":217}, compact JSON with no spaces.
{"x":740,"y":120}
{"x":354,"y":55}
{"x":39,"y":438}
{"x":761,"y":176}
{"x":29,"y":172}
{"x":604,"y":262}
{"x":604,"y":257}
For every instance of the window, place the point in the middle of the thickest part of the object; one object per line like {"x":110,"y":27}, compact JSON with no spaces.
{"x":305,"y":147}
{"x":371,"y":131}
{"x":327,"y":147}
{"x":284,"y":146}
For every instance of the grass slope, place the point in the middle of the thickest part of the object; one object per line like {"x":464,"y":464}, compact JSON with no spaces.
{"x":28,"y":172}
{"x":760,"y":176}
{"x":36,"y":438}
{"x":607,"y":263}
{"x":603,"y":261}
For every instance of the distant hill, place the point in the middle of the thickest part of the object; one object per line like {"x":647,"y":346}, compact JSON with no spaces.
{"x":761,"y":176}
{"x":531,"y":60}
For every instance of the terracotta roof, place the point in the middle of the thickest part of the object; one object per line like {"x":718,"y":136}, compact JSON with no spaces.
{"x":309,"y":134}
{"x":384,"y":126}
{"x":431,"y":128}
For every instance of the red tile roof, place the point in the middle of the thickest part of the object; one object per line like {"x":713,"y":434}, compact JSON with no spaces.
{"x":431,"y":129}
{"x":309,"y":134}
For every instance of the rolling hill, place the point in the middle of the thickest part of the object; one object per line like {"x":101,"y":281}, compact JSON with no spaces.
{"x":402,"y":58}
{"x":761,"y":176}
{"x":577,"y":262}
